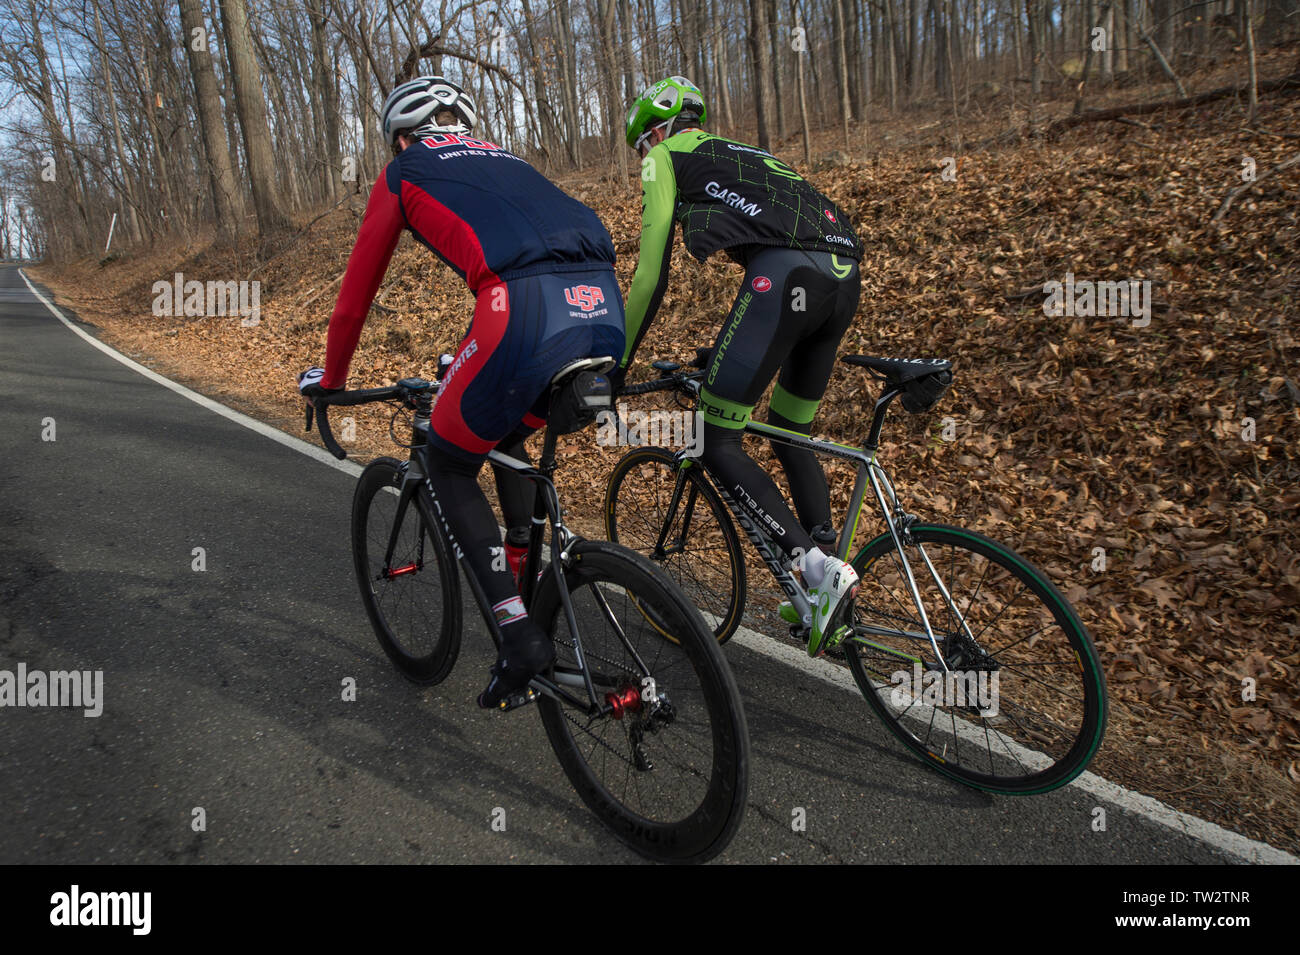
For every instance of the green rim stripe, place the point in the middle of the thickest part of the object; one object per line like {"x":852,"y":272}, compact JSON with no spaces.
{"x":796,"y":409}
{"x":1095,"y":743}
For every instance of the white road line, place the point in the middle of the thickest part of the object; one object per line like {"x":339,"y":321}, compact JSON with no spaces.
{"x":266,"y":430}
{"x":1248,"y":850}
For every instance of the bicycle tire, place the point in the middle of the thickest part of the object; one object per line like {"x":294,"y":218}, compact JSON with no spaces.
{"x":674,"y":790}
{"x":416,"y":614}
{"x":709,"y":564}
{"x":1024,"y":751}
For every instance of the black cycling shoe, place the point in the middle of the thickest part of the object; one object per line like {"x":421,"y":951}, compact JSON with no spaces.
{"x":521,"y":659}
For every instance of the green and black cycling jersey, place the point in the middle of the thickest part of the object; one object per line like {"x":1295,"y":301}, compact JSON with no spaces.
{"x":727,"y":196}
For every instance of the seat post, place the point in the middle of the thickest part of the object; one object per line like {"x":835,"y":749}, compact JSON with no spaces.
{"x":872,"y":443}
{"x":547,"y":463}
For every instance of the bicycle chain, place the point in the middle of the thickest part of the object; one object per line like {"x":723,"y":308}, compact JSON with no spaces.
{"x":599,"y":740}
{"x":622,"y":667}
{"x":586,"y":728}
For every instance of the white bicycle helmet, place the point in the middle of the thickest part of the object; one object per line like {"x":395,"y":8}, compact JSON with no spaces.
{"x":412,"y":106}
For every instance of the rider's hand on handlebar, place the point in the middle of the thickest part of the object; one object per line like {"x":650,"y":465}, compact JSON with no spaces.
{"x":309,"y":384}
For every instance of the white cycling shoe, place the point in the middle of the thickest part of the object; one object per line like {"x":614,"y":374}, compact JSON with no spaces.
{"x":839,"y":583}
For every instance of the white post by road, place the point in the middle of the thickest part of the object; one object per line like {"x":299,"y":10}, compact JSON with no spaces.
{"x":110,"y":232}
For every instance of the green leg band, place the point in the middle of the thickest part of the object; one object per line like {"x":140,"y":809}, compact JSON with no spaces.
{"x":722,"y":413}
{"x":792,"y":407}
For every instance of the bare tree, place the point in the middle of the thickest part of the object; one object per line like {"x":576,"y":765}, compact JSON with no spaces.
{"x":246,"y":78}
{"x":227,"y":198}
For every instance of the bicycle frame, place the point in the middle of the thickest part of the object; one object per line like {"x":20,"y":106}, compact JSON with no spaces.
{"x":546,"y":510}
{"x":869,"y":473}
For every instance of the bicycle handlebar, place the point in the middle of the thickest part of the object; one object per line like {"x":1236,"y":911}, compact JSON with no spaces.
{"x":406,"y":389}
{"x":676,"y":380}
{"x":644,"y":387}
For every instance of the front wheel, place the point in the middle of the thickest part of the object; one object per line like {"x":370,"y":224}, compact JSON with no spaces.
{"x":672,"y":515}
{"x":406,"y":573}
{"x":665,"y":764}
{"x":1018,"y":704}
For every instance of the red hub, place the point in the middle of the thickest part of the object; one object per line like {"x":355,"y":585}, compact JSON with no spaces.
{"x":624,"y":701}
{"x":399,"y":571}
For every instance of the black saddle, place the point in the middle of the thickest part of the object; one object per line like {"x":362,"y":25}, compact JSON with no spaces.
{"x":921,"y":381}
{"x":898,"y":371}
{"x":579,"y":392}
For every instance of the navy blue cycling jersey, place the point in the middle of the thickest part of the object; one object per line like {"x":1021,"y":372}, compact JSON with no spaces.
{"x":484,"y":211}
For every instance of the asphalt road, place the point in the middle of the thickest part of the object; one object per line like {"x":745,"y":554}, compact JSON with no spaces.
{"x":223,"y":687}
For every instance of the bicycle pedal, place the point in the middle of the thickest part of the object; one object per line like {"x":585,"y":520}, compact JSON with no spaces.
{"x":517,"y":699}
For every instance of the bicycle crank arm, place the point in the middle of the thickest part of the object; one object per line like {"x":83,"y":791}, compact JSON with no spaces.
{"x":517,"y":699}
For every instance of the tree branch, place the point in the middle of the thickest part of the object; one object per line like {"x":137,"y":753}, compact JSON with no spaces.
{"x":1245,"y":186}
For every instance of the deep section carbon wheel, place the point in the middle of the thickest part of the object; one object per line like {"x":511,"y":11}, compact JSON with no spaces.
{"x":406,"y":573}
{"x":666,"y":764}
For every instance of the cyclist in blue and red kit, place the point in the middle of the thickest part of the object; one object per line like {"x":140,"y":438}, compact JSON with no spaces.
{"x":541,"y":267}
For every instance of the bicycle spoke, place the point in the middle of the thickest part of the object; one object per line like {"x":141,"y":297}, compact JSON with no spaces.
{"x":1034,"y":669}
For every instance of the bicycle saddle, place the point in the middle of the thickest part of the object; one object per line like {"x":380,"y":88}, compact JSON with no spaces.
{"x":579,"y":392}
{"x":602,"y":364}
{"x":897,"y":371}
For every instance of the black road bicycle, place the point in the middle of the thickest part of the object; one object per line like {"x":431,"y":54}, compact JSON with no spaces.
{"x":650,"y":731}
{"x":969,"y":654}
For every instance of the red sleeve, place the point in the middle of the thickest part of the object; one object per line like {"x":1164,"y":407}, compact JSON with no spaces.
{"x":380,"y":229}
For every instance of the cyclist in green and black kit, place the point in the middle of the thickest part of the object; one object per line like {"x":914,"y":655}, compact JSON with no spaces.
{"x":798,"y":297}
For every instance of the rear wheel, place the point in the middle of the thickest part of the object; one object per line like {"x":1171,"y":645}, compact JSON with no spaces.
{"x":701,"y":551}
{"x":408,"y":579}
{"x":1023,"y":707}
{"x":666,"y":766}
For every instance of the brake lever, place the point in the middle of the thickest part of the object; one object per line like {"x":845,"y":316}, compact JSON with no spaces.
{"x":311,"y":413}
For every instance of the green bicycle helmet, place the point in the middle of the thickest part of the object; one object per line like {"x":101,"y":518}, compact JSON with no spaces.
{"x":663,"y":102}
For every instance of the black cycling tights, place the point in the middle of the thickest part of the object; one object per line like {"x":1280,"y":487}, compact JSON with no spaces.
{"x":466,"y":511}
{"x":790,"y":314}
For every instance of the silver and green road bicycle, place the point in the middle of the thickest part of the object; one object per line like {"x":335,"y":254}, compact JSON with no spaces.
{"x":969,"y":654}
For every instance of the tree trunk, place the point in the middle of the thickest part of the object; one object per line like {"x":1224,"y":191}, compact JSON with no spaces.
{"x":760,"y":50}
{"x":1253,"y":75}
{"x":1033,"y":13}
{"x":325,"y":91}
{"x":245,"y":77}
{"x":778,"y":101}
{"x":227,"y":200}
{"x":131,"y":221}
{"x":800,"y":56}
{"x":842,"y":64}
{"x":569,"y":80}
